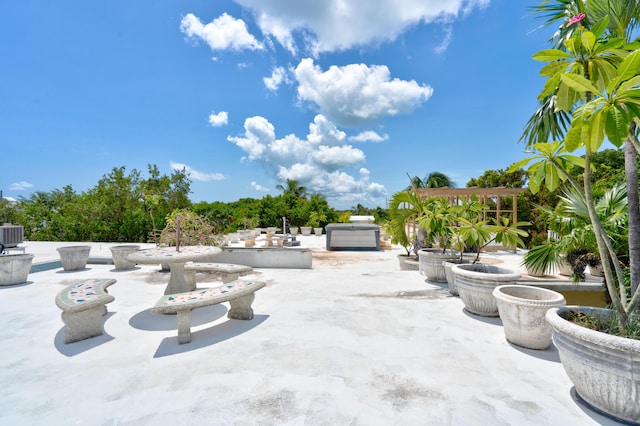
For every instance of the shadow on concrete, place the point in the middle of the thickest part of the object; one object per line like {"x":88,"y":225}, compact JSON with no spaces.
{"x":75,"y":348}
{"x":488,"y":320}
{"x":145,"y":320}
{"x":208,"y":336}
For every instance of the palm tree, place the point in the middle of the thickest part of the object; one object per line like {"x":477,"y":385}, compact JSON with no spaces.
{"x":624,"y":18}
{"x":294,"y":188}
{"x":438,"y":180}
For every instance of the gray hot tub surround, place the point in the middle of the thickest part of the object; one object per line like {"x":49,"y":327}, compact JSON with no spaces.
{"x":353,"y":236}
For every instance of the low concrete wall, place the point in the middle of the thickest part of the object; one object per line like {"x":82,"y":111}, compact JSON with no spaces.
{"x":267,"y":257}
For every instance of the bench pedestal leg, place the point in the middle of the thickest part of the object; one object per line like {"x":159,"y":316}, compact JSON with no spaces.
{"x":241,"y":307}
{"x":84,"y":324}
{"x":227,"y":278}
{"x":184,"y":326}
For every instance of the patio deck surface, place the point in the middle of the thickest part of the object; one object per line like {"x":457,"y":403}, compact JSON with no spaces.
{"x":353,"y":341}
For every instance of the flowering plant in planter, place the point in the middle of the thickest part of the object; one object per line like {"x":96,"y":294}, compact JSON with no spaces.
{"x":593,"y":79}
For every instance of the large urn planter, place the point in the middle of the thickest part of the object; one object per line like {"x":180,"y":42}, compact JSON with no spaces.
{"x":431,"y":263}
{"x":475,"y":283}
{"x":522,"y":309}
{"x":448,"y":272}
{"x":74,"y":258}
{"x":14,"y":268}
{"x":604,"y":369}
{"x":120,"y":256}
{"x":408,"y":263}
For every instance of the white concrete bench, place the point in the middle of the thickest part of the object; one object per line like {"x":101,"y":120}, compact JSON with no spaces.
{"x":239,"y":294}
{"x":228,"y":271}
{"x":83,"y":305}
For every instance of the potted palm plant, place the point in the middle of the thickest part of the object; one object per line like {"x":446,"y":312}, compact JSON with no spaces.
{"x":438,"y":220}
{"x":593,"y":79}
{"x":475,"y":282}
{"x":404,"y":209}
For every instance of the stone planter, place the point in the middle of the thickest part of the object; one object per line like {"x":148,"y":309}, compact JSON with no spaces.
{"x":604,"y":369}
{"x":475,"y":283}
{"x":317,"y":231}
{"x":120,"y":254}
{"x":597,"y":270}
{"x":563,"y":267}
{"x":294,"y":230}
{"x":74,"y":258}
{"x":305,"y":230}
{"x":408,"y":263}
{"x":448,"y":272}
{"x":522,"y":310}
{"x":14,"y":268}
{"x":431,"y":263}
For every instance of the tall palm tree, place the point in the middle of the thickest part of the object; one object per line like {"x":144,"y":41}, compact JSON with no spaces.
{"x":438,"y":180}
{"x":293,"y":187}
{"x":624,"y":19}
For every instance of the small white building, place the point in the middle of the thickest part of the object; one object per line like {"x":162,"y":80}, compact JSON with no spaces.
{"x":362,"y":219}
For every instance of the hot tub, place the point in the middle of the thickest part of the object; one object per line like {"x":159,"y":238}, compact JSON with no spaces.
{"x":353,"y":236}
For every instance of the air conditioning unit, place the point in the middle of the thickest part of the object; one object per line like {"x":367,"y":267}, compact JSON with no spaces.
{"x":11,"y":235}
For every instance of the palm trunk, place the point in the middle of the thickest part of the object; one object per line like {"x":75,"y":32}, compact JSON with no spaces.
{"x":631,"y":175}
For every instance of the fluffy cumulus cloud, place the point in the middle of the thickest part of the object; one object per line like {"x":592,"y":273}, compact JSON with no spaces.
{"x":195,"y":174}
{"x":369,"y":136}
{"x":334,"y":25}
{"x":218,"y":119}
{"x":322,"y":161}
{"x":258,"y":187}
{"x":356,"y":94}
{"x":20,"y":186}
{"x":278,"y":76}
{"x":224,"y":32}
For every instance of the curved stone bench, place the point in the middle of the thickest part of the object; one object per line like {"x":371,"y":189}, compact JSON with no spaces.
{"x":83,"y":304}
{"x":239,"y":294}
{"x":229,"y":271}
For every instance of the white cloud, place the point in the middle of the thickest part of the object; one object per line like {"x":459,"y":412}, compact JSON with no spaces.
{"x":333,"y":25}
{"x":20,"y":186}
{"x":258,"y":133}
{"x":369,"y":136}
{"x":219,"y":119}
{"x":278,"y":76}
{"x":448,"y":36}
{"x":336,"y":157}
{"x":259,"y":187}
{"x":356,"y":93}
{"x":196,"y":175}
{"x":224,"y":32}
{"x":321,"y":162}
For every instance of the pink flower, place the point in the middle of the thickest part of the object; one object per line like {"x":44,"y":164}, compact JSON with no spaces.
{"x":579,"y":17}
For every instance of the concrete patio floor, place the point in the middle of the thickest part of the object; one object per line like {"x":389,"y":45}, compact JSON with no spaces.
{"x":353,"y":341}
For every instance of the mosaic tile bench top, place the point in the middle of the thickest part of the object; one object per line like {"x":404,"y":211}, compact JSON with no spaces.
{"x":172,"y":252}
{"x":221,"y":293}
{"x":86,"y":292}
{"x":218,"y":267}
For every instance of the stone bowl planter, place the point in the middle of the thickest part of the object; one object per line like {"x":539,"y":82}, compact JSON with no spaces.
{"x":305,"y":230}
{"x":522,"y":310}
{"x":120,"y":254}
{"x":475,"y":283}
{"x":14,"y":268}
{"x":448,"y":272}
{"x":74,"y":258}
{"x":317,"y":231}
{"x":407,"y":263}
{"x":431,"y":263}
{"x":604,"y":369}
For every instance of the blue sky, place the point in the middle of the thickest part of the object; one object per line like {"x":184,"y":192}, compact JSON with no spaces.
{"x":346,"y":97}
